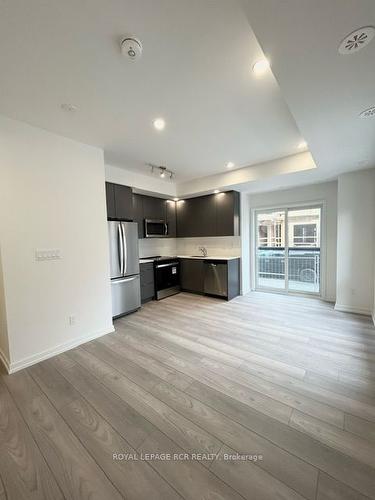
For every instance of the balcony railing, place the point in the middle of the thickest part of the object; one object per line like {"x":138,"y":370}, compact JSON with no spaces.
{"x":303,"y":267}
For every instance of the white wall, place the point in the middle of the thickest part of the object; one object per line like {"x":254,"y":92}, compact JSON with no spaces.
{"x":356,"y":242}
{"x":4,"y":345}
{"x":245,"y":243}
{"x":324,"y":192}
{"x":149,"y":183}
{"x":52,"y":197}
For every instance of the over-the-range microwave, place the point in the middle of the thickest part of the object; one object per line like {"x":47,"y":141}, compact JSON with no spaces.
{"x":156,"y":228}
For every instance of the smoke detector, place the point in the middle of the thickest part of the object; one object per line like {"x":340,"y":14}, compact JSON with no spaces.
{"x":356,"y":40}
{"x":69,"y":108}
{"x":131,"y":47}
{"x":368,"y":113}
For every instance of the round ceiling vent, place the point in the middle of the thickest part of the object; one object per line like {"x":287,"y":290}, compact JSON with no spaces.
{"x":357,"y":40}
{"x":368,"y":113}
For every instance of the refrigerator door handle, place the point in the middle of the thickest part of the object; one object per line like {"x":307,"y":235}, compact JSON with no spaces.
{"x":121,"y":249}
{"x":125,"y":257}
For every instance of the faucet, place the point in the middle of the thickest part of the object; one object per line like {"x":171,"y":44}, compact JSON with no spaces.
{"x":203,"y":250}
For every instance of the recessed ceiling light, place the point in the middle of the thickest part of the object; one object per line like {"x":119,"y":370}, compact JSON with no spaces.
{"x":260,"y":67}
{"x":230,"y":164}
{"x":159,"y":123}
{"x":356,"y":40}
{"x":216,"y":191}
{"x":69,"y":108}
{"x":302,"y":145}
{"x":175,"y":199}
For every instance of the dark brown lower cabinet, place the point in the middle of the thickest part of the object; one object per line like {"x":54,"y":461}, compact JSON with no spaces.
{"x":192,"y":275}
{"x":219,"y":278}
{"x":147,"y":281}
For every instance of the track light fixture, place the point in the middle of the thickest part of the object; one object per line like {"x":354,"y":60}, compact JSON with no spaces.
{"x":162,"y":171}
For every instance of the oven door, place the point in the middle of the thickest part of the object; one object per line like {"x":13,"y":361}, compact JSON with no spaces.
{"x":156,"y":228}
{"x":167,"y":279}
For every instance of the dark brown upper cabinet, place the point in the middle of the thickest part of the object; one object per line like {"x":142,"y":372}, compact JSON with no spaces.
{"x":211,"y":215}
{"x":153,"y":208}
{"x":206,"y":217}
{"x":183,"y":209}
{"x":138,"y":214}
{"x":119,"y":201}
{"x":170,"y":211}
{"x":227,"y":213}
{"x":196,"y":217}
{"x":110,"y":199}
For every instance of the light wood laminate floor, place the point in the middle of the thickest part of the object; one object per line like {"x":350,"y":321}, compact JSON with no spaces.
{"x":286,"y":379}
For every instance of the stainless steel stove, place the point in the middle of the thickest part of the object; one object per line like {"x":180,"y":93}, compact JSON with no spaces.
{"x":167,"y":276}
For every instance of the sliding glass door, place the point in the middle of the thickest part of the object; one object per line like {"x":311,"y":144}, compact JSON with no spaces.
{"x":288,"y":249}
{"x":271,"y":264}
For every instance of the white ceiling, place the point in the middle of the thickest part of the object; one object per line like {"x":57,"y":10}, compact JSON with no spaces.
{"x":324,"y":90}
{"x":195,"y":72}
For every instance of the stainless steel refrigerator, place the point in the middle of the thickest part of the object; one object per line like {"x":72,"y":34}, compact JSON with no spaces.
{"x":124,"y":262}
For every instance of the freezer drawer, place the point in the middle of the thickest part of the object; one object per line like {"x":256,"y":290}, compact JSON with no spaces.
{"x":126,"y":295}
{"x":216,"y":279}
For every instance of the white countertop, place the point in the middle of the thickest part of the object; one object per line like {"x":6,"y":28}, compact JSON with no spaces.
{"x":209,"y":257}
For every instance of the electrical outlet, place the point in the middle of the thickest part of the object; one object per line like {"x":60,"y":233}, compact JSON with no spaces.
{"x":72,"y":320}
{"x":47,"y":254}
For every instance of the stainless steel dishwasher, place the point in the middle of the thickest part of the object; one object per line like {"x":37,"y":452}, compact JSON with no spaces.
{"x":216,"y":278}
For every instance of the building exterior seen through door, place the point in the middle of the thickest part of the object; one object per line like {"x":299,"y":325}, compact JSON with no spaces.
{"x":288,"y":249}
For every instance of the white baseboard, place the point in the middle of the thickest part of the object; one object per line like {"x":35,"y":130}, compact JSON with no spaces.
{"x":354,"y":310}
{"x":4,"y":360}
{"x":331,"y":300}
{"x":49,"y":353}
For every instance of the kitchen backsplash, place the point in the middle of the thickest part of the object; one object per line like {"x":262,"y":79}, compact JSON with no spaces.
{"x":216,"y":246}
{"x":149,"y":247}
{"x":226,"y":246}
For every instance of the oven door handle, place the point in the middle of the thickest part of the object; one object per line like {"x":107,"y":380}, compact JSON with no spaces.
{"x":167,"y":265}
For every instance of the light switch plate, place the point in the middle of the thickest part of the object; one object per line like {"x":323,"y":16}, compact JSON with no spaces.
{"x":47,"y":254}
